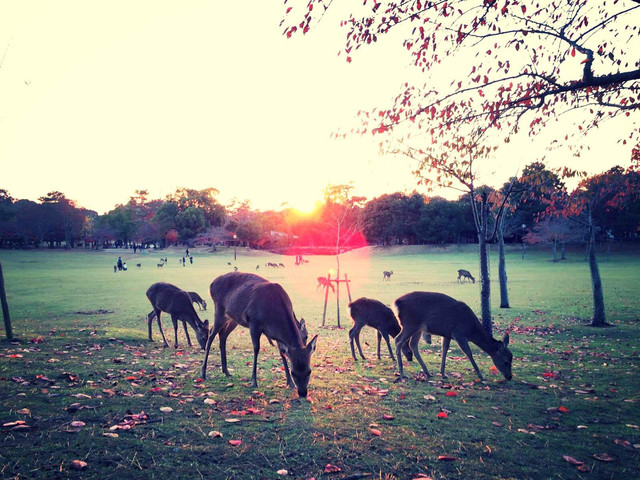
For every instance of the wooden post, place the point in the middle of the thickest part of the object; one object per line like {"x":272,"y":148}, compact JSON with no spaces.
{"x":338,"y":299}
{"x":326,"y":297}
{"x":346,"y":280}
{"x":5,"y":308}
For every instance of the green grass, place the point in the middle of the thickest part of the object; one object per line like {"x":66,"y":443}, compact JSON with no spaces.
{"x":68,"y":355}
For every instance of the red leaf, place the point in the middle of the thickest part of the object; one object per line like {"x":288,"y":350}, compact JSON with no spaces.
{"x":573,"y":52}
{"x":442,"y":415}
{"x":446,"y":458}
{"x":235,"y":443}
{"x":328,"y":468}
{"x":388,"y":417}
{"x":572,"y":460}
{"x":375,"y":431}
{"x":452,"y":394}
{"x":563,"y":409}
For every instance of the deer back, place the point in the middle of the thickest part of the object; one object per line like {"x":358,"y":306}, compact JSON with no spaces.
{"x":367,"y":311}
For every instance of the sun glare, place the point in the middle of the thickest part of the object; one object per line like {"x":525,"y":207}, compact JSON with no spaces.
{"x":305,"y":206}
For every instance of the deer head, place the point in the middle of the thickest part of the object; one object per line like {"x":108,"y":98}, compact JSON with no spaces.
{"x":300,"y":364}
{"x":502,"y":358}
{"x":202,"y":333}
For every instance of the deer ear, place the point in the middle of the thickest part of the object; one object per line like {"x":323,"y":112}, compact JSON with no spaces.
{"x":505,"y":339}
{"x":311,"y":346}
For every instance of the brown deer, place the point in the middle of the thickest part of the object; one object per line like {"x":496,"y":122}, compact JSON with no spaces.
{"x":324,"y":282}
{"x":462,"y":274}
{"x":195,"y":298}
{"x":387,"y":275}
{"x":165,"y":297}
{"x":439,"y":314}
{"x":366,"y":311}
{"x":264,"y":308}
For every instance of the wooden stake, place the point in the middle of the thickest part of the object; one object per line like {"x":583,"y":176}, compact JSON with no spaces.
{"x":326,"y":297}
{"x":346,"y":280}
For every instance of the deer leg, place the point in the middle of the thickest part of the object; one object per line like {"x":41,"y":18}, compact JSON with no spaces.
{"x":174,"y":320}
{"x":352,"y":334}
{"x":255,"y":339}
{"x":413,"y":343}
{"x":216,"y":329}
{"x":464,"y":346}
{"x":186,"y":332}
{"x":401,"y":339}
{"x":290,"y":383}
{"x":445,"y":348}
{"x":158,"y":312}
{"x":386,"y":339}
{"x":150,"y":318}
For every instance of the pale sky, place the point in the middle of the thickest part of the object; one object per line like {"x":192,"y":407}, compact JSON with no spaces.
{"x":98,"y":99}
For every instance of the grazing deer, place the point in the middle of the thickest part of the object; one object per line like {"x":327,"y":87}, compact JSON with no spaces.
{"x":138,"y":265}
{"x":165,"y":297}
{"x":195,"y":298}
{"x":281,"y":265}
{"x":462,"y":274}
{"x":264,"y":308}
{"x":324,"y":283}
{"x":387,"y":275}
{"x":160,"y":265}
{"x":366,"y":311}
{"x":439,"y":314}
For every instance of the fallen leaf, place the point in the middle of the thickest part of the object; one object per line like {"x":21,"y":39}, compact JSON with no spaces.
{"x":214,"y":434}
{"x":328,"y":468}
{"x":24,"y":411}
{"x":446,"y":458}
{"x":563,"y":409}
{"x":451,"y":394}
{"x":232,"y":420}
{"x":388,"y":417}
{"x":77,"y":423}
{"x":166,"y":409}
{"x":210,"y":401}
{"x":235,"y":443}
{"x":572,"y":460}
{"x":603,"y":457}
{"x":78,"y":465}
{"x":282,"y":472}
{"x":442,"y":415}
{"x":584,"y":468}
{"x":375,"y":431}
{"x":110,"y":435}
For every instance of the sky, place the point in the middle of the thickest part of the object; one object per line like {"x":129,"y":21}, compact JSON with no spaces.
{"x":100,"y":99}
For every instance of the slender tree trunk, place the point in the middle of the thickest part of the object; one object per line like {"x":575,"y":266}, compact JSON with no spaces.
{"x":554,"y":249}
{"x":599,"y":317}
{"x":502,"y":269}
{"x":485,"y":282}
{"x":562,"y":251}
{"x":5,"y":308}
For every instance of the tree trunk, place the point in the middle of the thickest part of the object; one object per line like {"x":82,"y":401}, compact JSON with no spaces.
{"x":485,"y":282}
{"x":562,"y":251}
{"x":599,"y":317}
{"x":5,"y":308}
{"x":554,"y":249}
{"x":502,"y":269}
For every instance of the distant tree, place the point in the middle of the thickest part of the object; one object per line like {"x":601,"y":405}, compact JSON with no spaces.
{"x":594,"y":195}
{"x":165,"y":219}
{"x":392,"y":218}
{"x":190,"y":223}
{"x":555,"y":231}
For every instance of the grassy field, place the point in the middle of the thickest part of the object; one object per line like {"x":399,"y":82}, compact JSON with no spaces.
{"x":84,"y":383}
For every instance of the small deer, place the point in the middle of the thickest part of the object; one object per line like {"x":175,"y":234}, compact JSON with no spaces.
{"x":165,"y":297}
{"x":195,"y":298}
{"x":138,"y":265}
{"x":160,"y":265}
{"x":366,"y":311}
{"x":439,"y":314}
{"x":324,"y":283}
{"x":265,"y":309}
{"x":387,"y":275}
{"x":462,"y":274}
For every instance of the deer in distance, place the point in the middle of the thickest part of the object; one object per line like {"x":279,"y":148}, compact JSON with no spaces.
{"x":367,"y":311}
{"x":324,"y":283}
{"x":387,"y":275}
{"x":462,"y":274}
{"x":165,"y":297}
{"x":265,"y":309}
{"x":439,"y":314}
{"x":195,"y":298}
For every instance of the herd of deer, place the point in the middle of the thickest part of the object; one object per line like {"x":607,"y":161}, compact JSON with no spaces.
{"x":265,"y":309}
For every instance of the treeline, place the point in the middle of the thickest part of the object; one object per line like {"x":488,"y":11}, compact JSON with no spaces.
{"x":344,"y":221}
